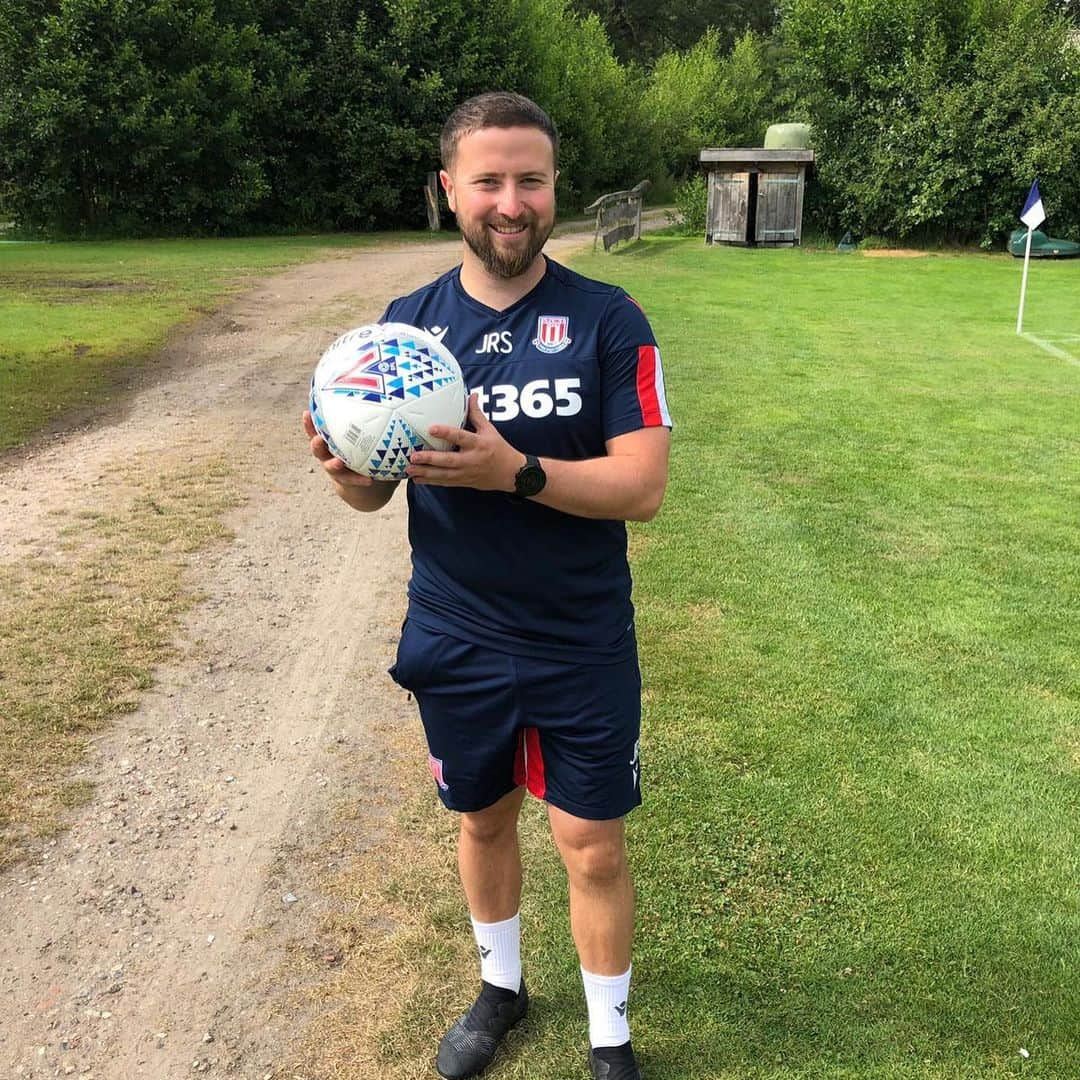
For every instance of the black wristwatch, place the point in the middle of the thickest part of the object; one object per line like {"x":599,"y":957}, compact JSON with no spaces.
{"x":530,"y":478}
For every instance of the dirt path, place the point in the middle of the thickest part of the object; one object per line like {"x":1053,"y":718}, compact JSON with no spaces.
{"x":150,"y":939}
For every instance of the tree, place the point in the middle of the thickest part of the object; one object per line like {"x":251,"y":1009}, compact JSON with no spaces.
{"x":641,"y":30}
{"x":704,"y":97}
{"x":932,"y":116}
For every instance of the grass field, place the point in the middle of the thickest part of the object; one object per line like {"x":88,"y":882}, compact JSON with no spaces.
{"x":75,"y":317}
{"x":858,"y":854}
{"x":858,"y":611}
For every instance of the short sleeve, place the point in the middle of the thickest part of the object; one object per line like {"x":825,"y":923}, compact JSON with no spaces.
{"x":631,"y":370}
{"x":388,"y":314}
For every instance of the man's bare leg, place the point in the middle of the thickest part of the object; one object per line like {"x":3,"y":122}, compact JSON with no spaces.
{"x":601,"y":893}
{"x":489,"y":862}
{"x":602,"y":922}
{"x":489,"y":859}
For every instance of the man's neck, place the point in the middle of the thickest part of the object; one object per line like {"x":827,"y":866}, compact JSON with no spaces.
{"x":496,"y":292}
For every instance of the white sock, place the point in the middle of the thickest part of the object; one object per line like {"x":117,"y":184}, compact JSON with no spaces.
{"x":607,"y":997}
{"x":500,"y":952}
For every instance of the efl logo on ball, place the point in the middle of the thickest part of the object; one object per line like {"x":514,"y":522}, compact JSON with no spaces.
{"x":376,"y":392}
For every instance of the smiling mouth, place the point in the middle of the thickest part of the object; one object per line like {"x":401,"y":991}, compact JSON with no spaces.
{"x":508,"y":230}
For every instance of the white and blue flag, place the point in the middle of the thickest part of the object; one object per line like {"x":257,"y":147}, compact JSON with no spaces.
{"x":1033,"y":214}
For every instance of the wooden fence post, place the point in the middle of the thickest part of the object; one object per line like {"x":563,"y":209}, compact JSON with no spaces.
{"x":431,"y":197}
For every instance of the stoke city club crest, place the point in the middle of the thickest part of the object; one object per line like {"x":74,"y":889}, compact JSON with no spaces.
{"x":552,"y":333}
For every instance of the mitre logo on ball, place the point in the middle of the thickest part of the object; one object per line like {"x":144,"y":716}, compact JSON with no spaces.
{"x":376,"y":392}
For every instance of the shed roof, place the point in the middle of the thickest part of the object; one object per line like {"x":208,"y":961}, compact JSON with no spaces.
{"x":755,"y":154}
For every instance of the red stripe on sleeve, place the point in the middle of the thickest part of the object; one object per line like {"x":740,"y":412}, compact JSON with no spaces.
{"x":646,"y":386}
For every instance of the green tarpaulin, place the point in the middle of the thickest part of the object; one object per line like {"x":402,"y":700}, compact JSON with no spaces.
{"x":1042,"y":246}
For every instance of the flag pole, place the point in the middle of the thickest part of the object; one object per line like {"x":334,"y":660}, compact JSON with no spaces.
{"x":1023,"y":285}
{"x":1033,"y":215}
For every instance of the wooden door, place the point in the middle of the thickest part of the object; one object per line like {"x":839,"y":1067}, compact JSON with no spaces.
{"x":729,"y":198}
{"x":779,"y":207}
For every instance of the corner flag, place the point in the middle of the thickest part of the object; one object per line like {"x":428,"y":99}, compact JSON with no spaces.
{"x":1033,"y":214}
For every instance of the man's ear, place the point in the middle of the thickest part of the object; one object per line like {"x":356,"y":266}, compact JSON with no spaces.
{"x":448,"y":186}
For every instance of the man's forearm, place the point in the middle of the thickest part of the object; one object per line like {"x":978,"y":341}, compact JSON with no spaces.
{"x":367,"y":499}
{"x":615,"y":488}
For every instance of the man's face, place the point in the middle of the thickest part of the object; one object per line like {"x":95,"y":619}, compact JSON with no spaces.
{"x":501,"y":186}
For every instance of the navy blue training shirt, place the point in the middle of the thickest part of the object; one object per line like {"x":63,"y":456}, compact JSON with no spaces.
{"x":571,"y":364}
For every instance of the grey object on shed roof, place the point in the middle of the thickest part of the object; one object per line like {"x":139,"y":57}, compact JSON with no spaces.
{"x":788,"y":137}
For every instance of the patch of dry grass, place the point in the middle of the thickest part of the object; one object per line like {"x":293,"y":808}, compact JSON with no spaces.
{"x":401,"y":958}
{"x":386,"y":900}
{"x":81,"y":628}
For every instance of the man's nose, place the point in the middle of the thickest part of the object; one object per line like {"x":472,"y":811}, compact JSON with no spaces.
{"x":509,"y":204}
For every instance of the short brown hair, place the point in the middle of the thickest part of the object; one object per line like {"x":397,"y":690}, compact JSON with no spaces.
{"x":498,"y":109}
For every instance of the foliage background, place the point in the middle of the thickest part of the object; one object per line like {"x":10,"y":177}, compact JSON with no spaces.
{"x":132,"y":117}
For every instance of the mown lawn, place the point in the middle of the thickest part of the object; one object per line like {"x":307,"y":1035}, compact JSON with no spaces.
{"x":858,"y":614}
{"x":76,"y":317}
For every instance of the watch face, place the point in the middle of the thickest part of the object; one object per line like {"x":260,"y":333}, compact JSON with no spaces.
{"x":530,"y":480}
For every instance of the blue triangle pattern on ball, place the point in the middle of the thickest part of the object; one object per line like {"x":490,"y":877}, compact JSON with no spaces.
{"x":397,"y":442}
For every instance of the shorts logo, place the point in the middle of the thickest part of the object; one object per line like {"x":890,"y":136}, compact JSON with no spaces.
{"x":435,"y":764}
{"x":635,"y":762}
{"x":552,"y":333}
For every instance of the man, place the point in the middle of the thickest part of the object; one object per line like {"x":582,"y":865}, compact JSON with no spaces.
{"x":519,"y":642}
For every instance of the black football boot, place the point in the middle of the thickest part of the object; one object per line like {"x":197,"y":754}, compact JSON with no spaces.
{"x":469,"y":1046}
{"x":614,"y":1063}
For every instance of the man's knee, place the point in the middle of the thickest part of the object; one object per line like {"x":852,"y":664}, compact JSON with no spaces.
{"x":597,"y":864}
{"x":594,"y":851}
{"x":494,"y":824}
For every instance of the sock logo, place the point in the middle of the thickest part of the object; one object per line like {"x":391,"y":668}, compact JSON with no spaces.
{"x":621,"y":1009}
{"x":484,"y":953}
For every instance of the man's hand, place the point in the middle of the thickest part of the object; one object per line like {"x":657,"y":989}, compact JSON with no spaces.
{"x":484,"y":459}
{"x":360,"y":492}
{"x":335,"y":468}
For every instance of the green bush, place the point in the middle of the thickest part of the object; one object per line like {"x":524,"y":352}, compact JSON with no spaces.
{"x":211,"y":116}
{"x":691,"y":202}
{"x":129,"y":115}
{"x":705,"y":98}
{"x":931,"y":117}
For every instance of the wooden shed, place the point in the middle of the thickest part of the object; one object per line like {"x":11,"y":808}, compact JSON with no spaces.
{"x":755,"y":195}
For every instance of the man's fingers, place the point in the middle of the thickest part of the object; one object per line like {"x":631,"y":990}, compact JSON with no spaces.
{"x":454,"y":436}
{"x":462,"y":436}
{"x":340,"y":473}
{"x":458,"y":437}
{"x":309,"y":424}
{"x":439,"y":459}
{"x":429,"y":474}
{"x":476,"y":414}
{"x":320,"y":449}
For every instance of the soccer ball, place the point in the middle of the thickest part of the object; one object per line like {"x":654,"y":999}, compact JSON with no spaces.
{"x":376,"y":392}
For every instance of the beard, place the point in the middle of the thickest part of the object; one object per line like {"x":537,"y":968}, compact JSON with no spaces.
{"x":506,"y":264}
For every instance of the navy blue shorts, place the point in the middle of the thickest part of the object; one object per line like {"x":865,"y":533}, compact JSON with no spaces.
{"x":495,"y":721}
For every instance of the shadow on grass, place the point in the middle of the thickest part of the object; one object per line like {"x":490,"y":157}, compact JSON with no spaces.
{"x":651,"y":249}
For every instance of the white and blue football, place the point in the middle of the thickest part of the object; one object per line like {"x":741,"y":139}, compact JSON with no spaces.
{"x":378,"y":389}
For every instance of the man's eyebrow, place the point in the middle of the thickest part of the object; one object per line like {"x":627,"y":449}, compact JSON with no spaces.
{"x":483,"y":174}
